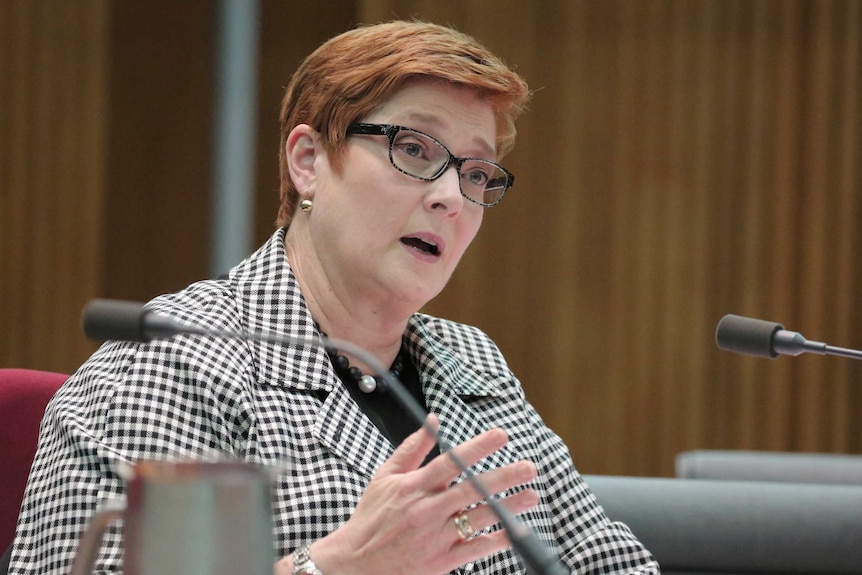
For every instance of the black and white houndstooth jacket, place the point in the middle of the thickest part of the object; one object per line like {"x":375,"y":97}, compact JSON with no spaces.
{"x":284,"y":405}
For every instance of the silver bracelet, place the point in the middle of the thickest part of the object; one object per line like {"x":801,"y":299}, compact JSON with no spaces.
{"x":302,"y":563}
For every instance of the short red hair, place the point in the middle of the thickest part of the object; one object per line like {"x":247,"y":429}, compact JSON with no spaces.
{"x":353,"y":73}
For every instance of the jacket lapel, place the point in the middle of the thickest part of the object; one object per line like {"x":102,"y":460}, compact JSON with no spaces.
{"x":345,"y":431}
{"x":451,"y":385}
{"x":270,"y":301}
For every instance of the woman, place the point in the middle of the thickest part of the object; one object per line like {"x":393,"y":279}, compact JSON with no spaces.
{"x":390,"y":141}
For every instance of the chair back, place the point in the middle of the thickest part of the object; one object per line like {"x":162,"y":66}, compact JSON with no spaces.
{"x":738,"y":527}
{"x":834,"y":468}
{"x":24,"y":394}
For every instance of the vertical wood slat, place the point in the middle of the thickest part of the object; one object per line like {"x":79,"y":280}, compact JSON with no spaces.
{"x":750,"y":202}
{"x":623,"y":272}
{"x":648,"y":224}
{"x":847,"y":285}
{"x":691,"y":275}
{"x":707,"y":221}
{"x":786,"y":54}
{"x":812,"y":250}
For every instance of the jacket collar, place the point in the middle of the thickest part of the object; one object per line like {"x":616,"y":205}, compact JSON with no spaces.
{"x":269,"y":301}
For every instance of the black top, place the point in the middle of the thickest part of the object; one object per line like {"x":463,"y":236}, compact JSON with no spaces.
{"x":383,"y":409}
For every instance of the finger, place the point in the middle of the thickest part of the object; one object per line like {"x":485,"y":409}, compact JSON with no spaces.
{"x":478,"y":547}
{"x":495,"y":481}
{"x":412,"y":451}
{"x":443,"y":470}
{"x":483,"y":516}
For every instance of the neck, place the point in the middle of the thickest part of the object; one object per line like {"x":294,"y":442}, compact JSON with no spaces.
{"x":342,"y":314}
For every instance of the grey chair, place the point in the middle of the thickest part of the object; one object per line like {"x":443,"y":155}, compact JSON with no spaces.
{"x":770,"y":466}
{"x":739,"y":527}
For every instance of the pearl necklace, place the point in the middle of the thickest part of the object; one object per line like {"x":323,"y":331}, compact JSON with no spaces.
{"x":366,"y":383}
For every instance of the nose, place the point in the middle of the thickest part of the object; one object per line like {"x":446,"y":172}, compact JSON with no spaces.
{"x":444,"y":194}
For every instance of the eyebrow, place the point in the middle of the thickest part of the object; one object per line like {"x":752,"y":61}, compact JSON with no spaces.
{"x":435,"y":121}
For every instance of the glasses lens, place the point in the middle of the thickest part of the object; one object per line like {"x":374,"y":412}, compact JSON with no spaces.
{"x":418,"y":155}
{"x":483,"y":182}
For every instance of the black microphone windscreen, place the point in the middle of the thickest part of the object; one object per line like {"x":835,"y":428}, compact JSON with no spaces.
{"x":746,"y":335}
{"x":105,"y":319}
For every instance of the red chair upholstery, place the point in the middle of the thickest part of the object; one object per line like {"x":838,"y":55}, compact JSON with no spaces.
{"x":24,"y":393}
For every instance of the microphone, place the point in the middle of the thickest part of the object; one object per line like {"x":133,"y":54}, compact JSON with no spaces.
{"x":769,"y":339}
{"x":104,"y":319}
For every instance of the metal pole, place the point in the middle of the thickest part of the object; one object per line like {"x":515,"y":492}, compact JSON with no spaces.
{"x":235,"y":134}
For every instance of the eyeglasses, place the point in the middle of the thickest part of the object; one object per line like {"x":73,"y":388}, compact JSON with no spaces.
{"x":425,"y":158}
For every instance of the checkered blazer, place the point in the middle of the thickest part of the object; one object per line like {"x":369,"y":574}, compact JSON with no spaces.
{"x":274,"y":404}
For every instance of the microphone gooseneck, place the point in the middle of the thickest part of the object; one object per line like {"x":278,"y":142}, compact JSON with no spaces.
{"x":104,"y":319}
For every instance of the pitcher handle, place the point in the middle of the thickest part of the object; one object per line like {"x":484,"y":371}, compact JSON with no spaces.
{"x":88,"y":548}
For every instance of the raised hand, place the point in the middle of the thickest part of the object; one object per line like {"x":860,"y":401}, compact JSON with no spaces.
{"x":405,"y":520}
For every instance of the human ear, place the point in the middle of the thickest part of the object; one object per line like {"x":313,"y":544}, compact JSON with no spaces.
{"x":301,"y":150}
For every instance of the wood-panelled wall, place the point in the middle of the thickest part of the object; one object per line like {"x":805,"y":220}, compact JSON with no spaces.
{"x":53,"y":78}
{"x":680,"y":160}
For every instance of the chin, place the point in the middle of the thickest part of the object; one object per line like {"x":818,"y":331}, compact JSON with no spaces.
{"x":414,"y":297}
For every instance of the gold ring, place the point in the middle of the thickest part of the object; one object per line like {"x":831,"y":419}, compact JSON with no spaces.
{"x":462,"y":524}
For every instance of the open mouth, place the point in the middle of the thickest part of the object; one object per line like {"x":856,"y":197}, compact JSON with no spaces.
{"x":421,"y":245}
